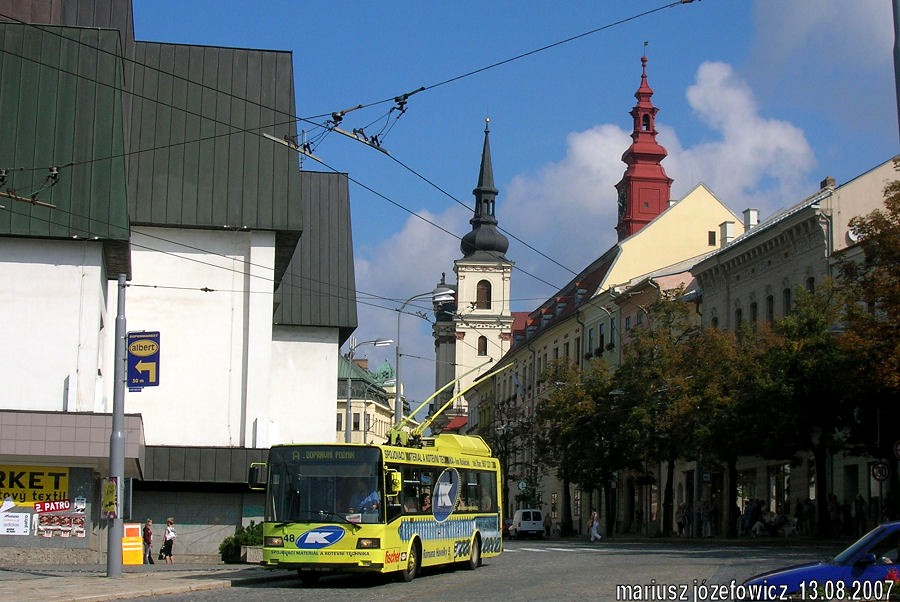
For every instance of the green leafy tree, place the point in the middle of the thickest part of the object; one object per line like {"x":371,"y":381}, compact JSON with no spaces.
{"x":728,"y":374}
{"x":872,"y":285}
{"x":580,"y":431}
{"x":808,"y":389}
{"x":654,"y":381}
{"x":557,"y":434}
{"x":507,"y":431}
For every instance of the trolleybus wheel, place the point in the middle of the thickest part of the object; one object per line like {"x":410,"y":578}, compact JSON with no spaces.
{"x":412,"y":563}
{"x":475,"y":559}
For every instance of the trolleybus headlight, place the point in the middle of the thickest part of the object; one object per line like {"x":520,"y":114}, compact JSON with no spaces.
{"x":273,"y":542}
{"x":367,"y":543}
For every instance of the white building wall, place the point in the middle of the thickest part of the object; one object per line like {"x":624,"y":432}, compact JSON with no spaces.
{"x":192,"y":286}
{"x":53,"y":300}
{"x":258,"y":333}
{"x":304,"y":391}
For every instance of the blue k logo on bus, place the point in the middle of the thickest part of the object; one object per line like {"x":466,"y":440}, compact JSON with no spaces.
{"x":445,"y":494}
{"x":320,"y":537}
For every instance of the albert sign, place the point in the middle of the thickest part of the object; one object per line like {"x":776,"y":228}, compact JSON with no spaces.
{"x":143,"y":360}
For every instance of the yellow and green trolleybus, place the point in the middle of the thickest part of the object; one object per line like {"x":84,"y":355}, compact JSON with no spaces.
{"x":410,"y":503}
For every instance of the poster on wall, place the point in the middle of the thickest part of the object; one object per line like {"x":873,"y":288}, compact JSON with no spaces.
{"x":59,"y":525}
{"x":109,"y":500}
{"x":15,"y":523}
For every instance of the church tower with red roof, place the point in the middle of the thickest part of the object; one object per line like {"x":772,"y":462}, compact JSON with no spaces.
{"x":645,"y":189}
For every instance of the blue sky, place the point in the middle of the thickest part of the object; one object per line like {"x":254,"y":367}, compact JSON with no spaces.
{"x":758,"y":99}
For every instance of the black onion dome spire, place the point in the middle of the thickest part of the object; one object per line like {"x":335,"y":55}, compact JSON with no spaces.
{"x":484,"y":238}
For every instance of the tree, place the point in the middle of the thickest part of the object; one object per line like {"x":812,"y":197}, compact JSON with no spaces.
{"x":507,"y":433}
{"x":654,"y":382}
{"x":808,"y":367}
{"x":558,"y":430}
{"x":581,"y":433}
{"x":872,"y":284}
{"x":731,"y":412}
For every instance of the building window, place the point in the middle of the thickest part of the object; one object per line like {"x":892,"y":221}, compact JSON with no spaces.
{"x":627,"y":322}
{"x":786,"y":301}
{"x":770,"y":309}
{"x":368,"y":423}
{"x":715,"y":322}
{"x":639,"y":318}
{"x":811,"y":284}
{"x":355,"y":421}
{"x":753,"y":313}
{"x":482,"y":345}
{"x":340,"y":422}
{"x":645,"y":123}
{"x":601,"y":342}
{"x":590,"y":341}
{"x":566,"y":350}
{"x":711,"y":236}
{"x":483,"y":295}
{"x":738,"y":317}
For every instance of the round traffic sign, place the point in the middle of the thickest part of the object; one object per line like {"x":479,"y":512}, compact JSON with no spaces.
{"x":880,"y":471}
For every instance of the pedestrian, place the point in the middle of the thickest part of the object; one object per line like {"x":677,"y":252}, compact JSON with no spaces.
{"x":148,"y":542}
{"x":170,"y":541}
{"x":547,"y":524}
{"x":595,"y":525}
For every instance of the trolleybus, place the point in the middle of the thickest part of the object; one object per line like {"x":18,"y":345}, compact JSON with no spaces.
{"x":409,"y":503}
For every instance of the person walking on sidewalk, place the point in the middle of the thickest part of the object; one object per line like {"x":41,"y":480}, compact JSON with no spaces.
{"x":170,"y":541}
{"x":595,"y":526}
{"x":148,"y":542}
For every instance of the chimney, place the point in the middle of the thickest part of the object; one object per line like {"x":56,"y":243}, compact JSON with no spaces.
{"x":726,"y":232}
{"x":827,"y":183}
{"x":751,"y":218}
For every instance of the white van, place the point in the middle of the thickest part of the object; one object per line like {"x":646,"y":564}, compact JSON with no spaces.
{"x":527,"y":521}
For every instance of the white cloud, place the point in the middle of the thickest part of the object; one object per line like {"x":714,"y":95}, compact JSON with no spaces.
{"x":422,"y":252}
{"x":567,"y":209}
{"x":753,"y":161}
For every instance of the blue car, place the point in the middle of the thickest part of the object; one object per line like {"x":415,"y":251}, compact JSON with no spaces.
{"x":867,"y":570}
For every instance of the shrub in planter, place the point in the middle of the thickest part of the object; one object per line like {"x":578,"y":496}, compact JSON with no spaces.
{"x":230,"y":548}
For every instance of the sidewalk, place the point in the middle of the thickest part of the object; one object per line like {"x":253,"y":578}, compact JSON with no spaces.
{"x":89,"y":582}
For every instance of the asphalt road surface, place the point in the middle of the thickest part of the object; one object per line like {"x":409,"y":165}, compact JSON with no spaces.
{"x":557,"y":570}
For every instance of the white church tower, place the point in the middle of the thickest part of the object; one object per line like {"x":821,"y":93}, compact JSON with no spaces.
{"x":479,"y":328}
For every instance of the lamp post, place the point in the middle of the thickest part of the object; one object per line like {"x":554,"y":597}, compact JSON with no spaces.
{"x":441,"y":294}
{"x":350,"y":351}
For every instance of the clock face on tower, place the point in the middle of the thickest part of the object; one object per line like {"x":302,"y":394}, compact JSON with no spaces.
{"x":621,"y":202}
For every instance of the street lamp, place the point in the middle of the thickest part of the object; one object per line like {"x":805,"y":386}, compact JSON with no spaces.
{"x":441,"y":294}
{"x":350,"y":351}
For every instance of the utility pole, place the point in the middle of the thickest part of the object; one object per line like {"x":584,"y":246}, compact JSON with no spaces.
{"x":116,"y":525}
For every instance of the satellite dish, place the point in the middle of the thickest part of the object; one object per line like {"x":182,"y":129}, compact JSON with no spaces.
{"x":852,"y":236}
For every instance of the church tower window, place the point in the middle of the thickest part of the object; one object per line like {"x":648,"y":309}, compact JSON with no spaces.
{"x":483,"y":295}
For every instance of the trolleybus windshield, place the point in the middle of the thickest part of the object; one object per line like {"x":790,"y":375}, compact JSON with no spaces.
{"x":325,"y":483}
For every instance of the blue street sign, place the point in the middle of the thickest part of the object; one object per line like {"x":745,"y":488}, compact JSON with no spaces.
{"x":143,"y":360}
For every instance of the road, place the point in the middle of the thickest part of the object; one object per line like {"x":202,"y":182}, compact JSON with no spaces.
{"x":557,"y":570}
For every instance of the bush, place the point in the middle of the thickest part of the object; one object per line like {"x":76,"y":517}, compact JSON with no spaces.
{"x":230,"y":548}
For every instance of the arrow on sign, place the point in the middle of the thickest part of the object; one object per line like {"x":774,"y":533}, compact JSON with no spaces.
{"x":150,"y":367}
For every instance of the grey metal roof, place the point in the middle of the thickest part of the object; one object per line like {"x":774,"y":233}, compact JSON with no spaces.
{"x":198,"y":158}
{"x":191,"y":148}
{"x":319,"y":286}
{"x":61,"y":102}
